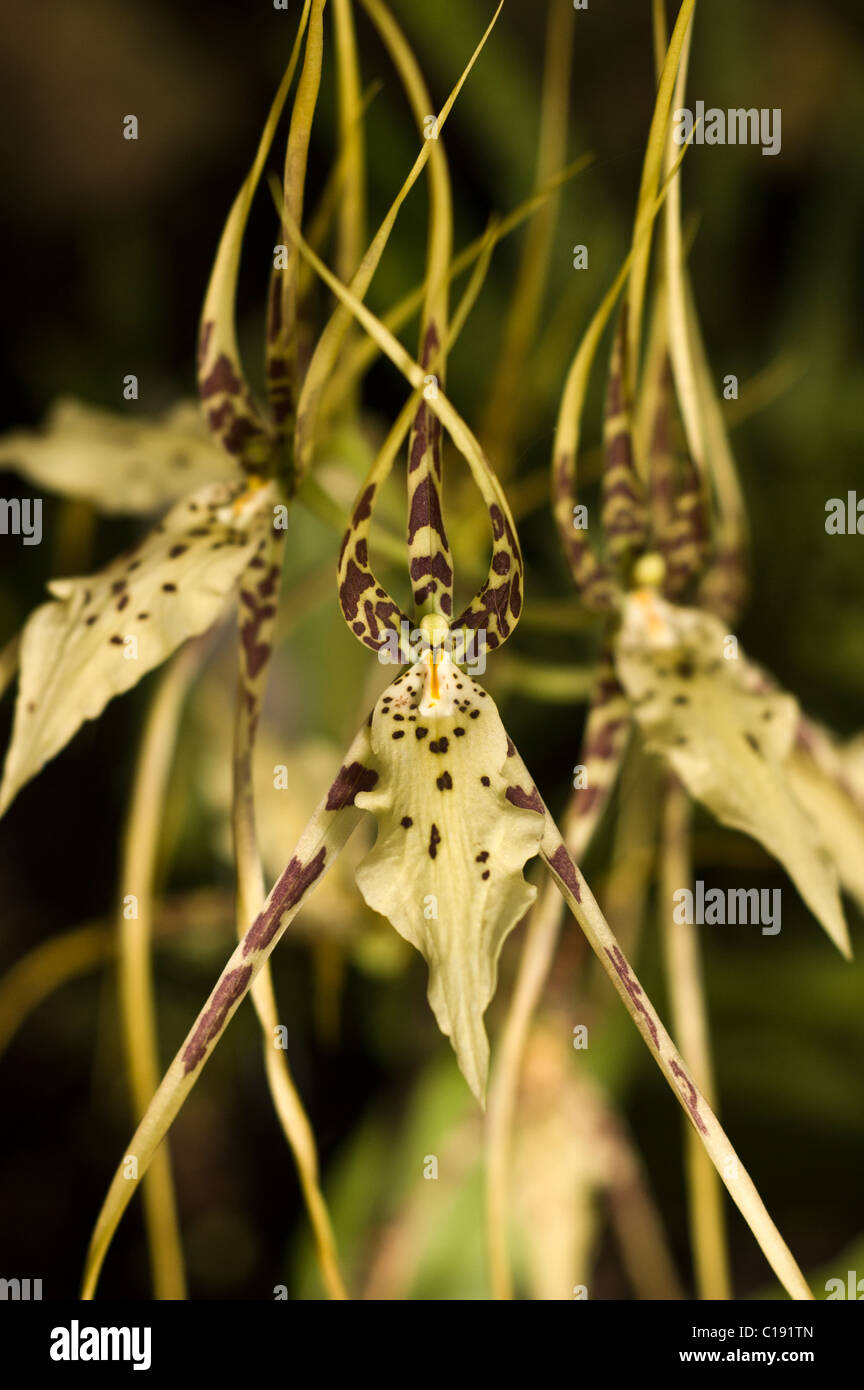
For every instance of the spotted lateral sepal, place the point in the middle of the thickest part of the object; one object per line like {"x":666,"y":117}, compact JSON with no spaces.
{"x":231,"y":415}
{"x":495,"y":609}
{"x":597,"y":587}
{"x":367,"y":608}
{"x":662,"y":462}
{"x":685,"y":544}
{"x":724,"y":586}
{"x":624,"y":509}
{"x":607,"y":729}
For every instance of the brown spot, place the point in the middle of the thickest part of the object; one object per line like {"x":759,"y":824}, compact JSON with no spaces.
{"x":485,"y":781}
{"x":212,"y":1020}
{"x":267,"y":586}
{"x":529,"y":801}
{"x":564,"y":867}
{"x":295,"y":882}
{"x":588,"y":798}
{"x":434,"y":841}
{"x":349,"y":781}
{"x":353,"y":586}
{"x":364,"y":506}
{"x":605,"y":742}
{"x":222,"y":378}
{"x":688,"y":1093}
{"x":482,"y":857}
{"x":406,"y":822}
{"x":434,"y":565}
{"x":431,"y":343}
{"x":634,"y":989}
{"x":439,"y":745}
{"x":256,"y":653}
{"x":444,"y":783}
{"x":425,"y":511}
{"x":177,"y":550}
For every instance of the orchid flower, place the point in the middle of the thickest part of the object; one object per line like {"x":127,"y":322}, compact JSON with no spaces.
{"x":458,"y":814}
{"x":671,"y":680}
{"x":232,"y":477}
{"x":100,"y":634}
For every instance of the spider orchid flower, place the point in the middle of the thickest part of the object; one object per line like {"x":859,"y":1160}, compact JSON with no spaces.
{"x":458,"y":814}
{"x":231,"y":475}
{"x":670,"y":666}
{"x":670,"y":578}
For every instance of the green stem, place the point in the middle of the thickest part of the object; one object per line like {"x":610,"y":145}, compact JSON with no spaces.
{"x":250,"y":900}
{"x":690,"y":1023}
{"x":135,"y":923}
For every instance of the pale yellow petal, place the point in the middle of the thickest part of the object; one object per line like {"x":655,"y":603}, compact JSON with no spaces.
{"x":100,"y":634}
{"x":120,"y":462}
{"x":727,"y":742}
{"x":446,"y":868}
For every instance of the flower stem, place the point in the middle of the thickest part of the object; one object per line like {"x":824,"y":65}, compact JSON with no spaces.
{"x":690,"y":1024}
{"x":135,"y":930}
{"x":250,"y":900}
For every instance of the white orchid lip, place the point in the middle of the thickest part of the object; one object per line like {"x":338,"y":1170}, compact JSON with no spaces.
{"x":647,"y":619}
{"x":240,"y":511}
